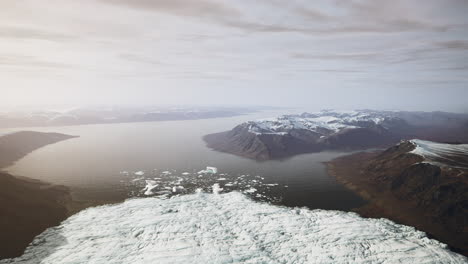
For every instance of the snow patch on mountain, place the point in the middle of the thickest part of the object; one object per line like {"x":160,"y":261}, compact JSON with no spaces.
{"x":228,"y":228}
{"x":331,"y":121}
{"x":453,"y":155}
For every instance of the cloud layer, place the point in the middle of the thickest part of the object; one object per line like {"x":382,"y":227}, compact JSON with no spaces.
{"x":182,"y":51}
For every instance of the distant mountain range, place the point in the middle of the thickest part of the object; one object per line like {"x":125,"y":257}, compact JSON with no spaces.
{"x":106,"y":115}
{"x":289,"y":135}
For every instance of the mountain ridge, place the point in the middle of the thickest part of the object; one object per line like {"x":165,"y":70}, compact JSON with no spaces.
{"x":405,"y":186}
{"x":289,"y":135}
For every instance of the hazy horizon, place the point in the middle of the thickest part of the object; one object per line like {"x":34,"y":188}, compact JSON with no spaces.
{"x":405,"y":55}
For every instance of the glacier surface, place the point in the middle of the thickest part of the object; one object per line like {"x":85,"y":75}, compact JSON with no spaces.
{"x":228,"y":228}
{"x":452,"y":155}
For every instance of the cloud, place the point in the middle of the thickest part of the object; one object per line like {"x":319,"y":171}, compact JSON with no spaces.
{"x":16,"y":32}
{"x":140,"y":59}
{"x":312,"y":14}
{"x":453,"y":44}
{"x":352,"y":17}
{"x":195,"y":8}
{"x":350,"y":56}
{"x":30,"y":61}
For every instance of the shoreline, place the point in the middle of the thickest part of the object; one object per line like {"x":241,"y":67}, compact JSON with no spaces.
{"x":381,"y":203}
{"x":29,"y":206}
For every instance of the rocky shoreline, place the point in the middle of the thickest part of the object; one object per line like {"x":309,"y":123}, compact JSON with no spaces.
{"x":28,"y":206}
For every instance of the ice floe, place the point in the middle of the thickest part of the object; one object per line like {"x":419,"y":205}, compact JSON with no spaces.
{"x":164,"y":184}
{"x":216,"y":188}
{"x":209,"y":170}
{"x":150,"y":185}
{"x":228,"y":228}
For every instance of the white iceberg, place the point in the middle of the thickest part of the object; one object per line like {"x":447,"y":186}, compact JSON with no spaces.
{"x":209,"y":170}
{"x":150,"y":186}
{"x":216,"y":188}
{"x":139,"y":173}
{"x":251,"y":190}
{"x":228,"y":228}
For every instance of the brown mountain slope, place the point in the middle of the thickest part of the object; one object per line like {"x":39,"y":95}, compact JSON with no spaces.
{"x":401,"y":187}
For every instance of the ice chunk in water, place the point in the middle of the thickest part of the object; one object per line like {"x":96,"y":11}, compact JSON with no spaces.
{"x":212,"y":170}
{"x":209,"y":170}
{"x":150,"y":186}
{"x":216,"y":188}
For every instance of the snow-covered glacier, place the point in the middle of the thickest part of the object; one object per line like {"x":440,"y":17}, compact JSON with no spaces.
{"x":228,"y":228}
{"x":442,"y":154}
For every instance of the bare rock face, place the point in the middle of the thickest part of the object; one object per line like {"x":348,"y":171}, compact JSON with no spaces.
{"x":439,"y":189}
{"x":290,"y":135}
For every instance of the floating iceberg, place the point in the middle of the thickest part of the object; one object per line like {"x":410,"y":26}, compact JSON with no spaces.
{"x":150,"y":185}
{"x":216,"y":188}
{"x":209,"y":170}
{"x":139,"y":173}
{"x":251,"y":190}
{"x":228,"y":228}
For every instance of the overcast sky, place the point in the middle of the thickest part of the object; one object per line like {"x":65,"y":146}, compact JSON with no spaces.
{"x":321,"y":54}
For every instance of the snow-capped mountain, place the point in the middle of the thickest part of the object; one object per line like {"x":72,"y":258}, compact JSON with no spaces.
{"x":288,"y":135}
{"x":324,"y":122}
{"x":415,"y":182}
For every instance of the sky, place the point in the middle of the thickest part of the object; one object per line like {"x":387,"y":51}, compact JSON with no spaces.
{"x":343,"y":54}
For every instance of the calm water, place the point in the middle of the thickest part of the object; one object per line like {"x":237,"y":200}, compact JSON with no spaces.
{"x":95,"y":165}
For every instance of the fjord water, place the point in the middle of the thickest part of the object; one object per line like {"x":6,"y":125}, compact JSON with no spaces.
{"x":92,"y":164}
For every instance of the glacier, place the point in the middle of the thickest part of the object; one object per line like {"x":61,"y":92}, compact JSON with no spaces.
{"x":228,"y":228}
{"x":442,"y":154}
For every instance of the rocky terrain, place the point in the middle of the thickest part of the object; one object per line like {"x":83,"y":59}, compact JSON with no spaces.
{"x":28,"y":207}
{"x":418,"y":183}
{"x":289,"y":135}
